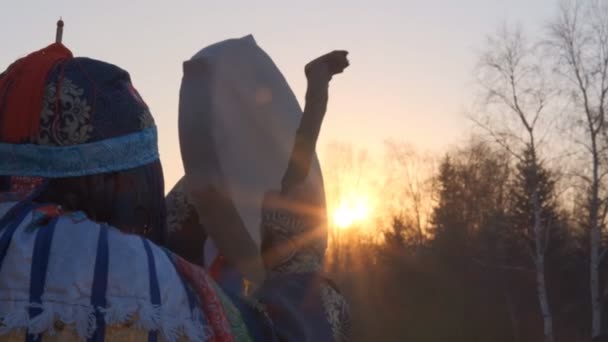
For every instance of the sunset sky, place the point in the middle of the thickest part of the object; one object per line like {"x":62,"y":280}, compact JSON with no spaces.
{"x":412,"y":60}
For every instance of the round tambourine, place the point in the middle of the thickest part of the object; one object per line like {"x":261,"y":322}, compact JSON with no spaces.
{"x":235,"y":101}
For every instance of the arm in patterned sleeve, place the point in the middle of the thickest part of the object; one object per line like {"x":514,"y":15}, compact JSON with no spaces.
{"x":302,"y":303}
{"x":186,"y":236}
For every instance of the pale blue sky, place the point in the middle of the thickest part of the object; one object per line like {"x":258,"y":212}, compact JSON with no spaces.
{"x":412,"y":60}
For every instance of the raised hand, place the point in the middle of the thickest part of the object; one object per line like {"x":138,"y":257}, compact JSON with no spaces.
{"x":326,"y":66}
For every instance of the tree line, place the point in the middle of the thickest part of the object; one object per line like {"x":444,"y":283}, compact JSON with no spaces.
{"x":503,"y":239}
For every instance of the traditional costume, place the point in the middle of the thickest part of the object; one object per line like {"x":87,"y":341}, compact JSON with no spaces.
{"x":82,"y":214}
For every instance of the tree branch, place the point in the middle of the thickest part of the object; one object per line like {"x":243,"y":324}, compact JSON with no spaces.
{"x":496,"y":136}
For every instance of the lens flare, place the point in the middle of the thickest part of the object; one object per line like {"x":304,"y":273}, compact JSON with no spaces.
{"x":351,"y":212}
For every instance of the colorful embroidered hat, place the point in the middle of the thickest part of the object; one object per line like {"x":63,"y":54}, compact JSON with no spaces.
{"x":63,"y":117}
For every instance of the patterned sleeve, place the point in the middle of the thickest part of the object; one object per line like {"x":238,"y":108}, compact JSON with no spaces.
{"x":303,"y":305}
{"x":186,"y":236}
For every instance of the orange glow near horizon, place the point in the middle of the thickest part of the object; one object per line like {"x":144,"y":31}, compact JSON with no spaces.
{"x":351,"y":212}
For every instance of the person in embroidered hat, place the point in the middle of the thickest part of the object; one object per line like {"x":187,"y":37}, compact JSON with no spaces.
{"x":52,"y":99}
{"x":82,"y":214}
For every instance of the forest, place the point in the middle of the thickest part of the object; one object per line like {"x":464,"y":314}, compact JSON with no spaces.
{"x":502,"y":236}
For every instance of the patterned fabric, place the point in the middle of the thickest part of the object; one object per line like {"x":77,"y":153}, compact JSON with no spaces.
{"x":179,"y":209}
{"x":302,"y":242}
{"x":186,"y":235}
{"x":213,"y":309}
{"x":304,"y":305}
{"x":237,"y":325}
{"x":116,"y":154}
{"x":337,"y":311}
{"x":87,"y":100}
{"x":72,"y":124}
{"x":302,"y":248}
{"x":258,"y":323}
{"x":53,"y":266}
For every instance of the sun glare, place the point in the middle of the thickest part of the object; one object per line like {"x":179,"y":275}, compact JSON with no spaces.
{"x":351,"y":212}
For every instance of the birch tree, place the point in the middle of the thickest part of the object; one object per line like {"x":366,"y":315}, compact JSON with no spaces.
{"x":578,"y":40}
{"x":515,"y":97}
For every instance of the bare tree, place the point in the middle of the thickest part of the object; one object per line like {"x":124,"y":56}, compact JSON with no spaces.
{"x":408,"y":188}
{"x":515,"y":99}
{"x":579,"y":42}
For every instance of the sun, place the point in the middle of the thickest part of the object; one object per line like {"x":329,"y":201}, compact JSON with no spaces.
{"x":351,"y":211}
